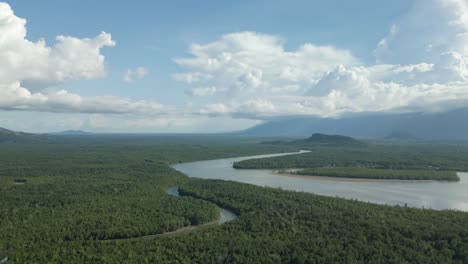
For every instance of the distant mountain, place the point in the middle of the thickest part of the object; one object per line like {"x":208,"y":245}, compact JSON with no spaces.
{"x":10,"y":135}
{"x":7,"y":132}
{"x":72,"y":133}
{"x":452,"y":125}
{"x":4,"y":131}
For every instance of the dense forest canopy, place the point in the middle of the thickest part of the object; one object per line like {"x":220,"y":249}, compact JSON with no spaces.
{"x":422,"y":161}
{"x":364,"y":173}
{"x":80,"y":193}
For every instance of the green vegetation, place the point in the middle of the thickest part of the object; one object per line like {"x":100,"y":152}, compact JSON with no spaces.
{"x":58,"y":190}
{"x":278,"y":226}
{"x":78,"y":192}
{"x":377,"y":156}
{"x":365,"y":173}
{"x":403,"y":161}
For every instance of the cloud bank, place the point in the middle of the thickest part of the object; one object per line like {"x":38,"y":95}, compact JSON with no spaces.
{"x":421,"y":65}
{"x":28,"y":69}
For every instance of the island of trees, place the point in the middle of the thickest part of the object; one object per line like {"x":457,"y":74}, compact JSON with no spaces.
{"x":354,"y":159}
{"x":380,"y":174}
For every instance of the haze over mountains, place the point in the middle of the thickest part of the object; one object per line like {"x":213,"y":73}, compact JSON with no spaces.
{"x":452,"y":125}
{"x":4,"y":131}
{"x":71,"y":133}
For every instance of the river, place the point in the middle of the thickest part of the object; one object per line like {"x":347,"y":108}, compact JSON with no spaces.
{"x":224,"y":214}
{"x":432,"y":194}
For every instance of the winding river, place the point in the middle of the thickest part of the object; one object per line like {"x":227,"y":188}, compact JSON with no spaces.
{"x":224,"y":214}
{"x":431,"y":194}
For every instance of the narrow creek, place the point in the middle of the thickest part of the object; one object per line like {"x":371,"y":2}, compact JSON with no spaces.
{"x":225,"y":215}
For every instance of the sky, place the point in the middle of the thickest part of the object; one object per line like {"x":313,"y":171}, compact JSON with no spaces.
{"x":216,"y":66}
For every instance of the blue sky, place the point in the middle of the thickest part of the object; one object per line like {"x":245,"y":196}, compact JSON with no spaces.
{"x":153,"y":33}
{"x":359,"y":56}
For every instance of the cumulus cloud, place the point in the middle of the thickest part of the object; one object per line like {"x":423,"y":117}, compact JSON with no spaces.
{"x":203,"y":91}
{"x":15,"y":97}
{"x":36,"y":64}
{"x":429,"y":29}
{"x":28,"y":68}
{"x":250,"y":62}
{"x":253,"y":109}
{"x":138,"y":73}
{"x":191,"y":77}
{"x":421,"y":65}
{"x":215,"y":109}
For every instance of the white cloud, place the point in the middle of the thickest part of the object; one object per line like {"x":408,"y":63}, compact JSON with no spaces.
{"x":215,"y":109}
{"x":422,"y":65}
{"x":249,"y":62}
{"x":257,"y":106}
{"x":191,"y":77}
{"x":435,"y":79}
{"x":253,"y":109}
{"x":34,"y":64}
{"x":28,"y":68}
{"x":203,"y":91}
{"x":429,"y":29}
{"x":138,"y":73}
{"x":15,"y":97}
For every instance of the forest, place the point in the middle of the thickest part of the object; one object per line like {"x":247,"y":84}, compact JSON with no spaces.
{"x":69,"y":200}
{"x":382,"y":174}
{"x":422,"y":161}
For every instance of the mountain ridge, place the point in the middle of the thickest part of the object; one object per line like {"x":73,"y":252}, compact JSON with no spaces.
{"x":451,"y":125}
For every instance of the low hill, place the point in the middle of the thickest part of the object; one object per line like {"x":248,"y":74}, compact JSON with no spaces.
{"x":320,"y":139}
{"x":324,"y":139}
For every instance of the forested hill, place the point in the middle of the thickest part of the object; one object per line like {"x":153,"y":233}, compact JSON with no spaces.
{"x":318,"y":139}
{"x":324,"y":139}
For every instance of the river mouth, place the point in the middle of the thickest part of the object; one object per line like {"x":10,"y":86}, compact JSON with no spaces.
{"x":426,"y":194}
{"x":225,"y":215}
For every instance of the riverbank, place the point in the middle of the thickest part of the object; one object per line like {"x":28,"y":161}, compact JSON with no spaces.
{"x":343,"y":179}
{"x":224,"y":216}
{"x":185,"y":229}
{"x":439,"y":195}
{"x":379,"y":174}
